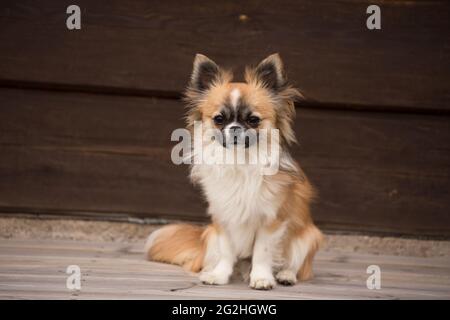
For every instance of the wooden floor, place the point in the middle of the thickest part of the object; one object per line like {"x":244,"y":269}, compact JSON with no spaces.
{"x":32,"y":269}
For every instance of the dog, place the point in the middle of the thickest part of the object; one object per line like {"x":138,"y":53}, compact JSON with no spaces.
{"x":264,"y":218}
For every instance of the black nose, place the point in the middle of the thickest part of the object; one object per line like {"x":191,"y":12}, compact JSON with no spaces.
{"x":235,"y":132}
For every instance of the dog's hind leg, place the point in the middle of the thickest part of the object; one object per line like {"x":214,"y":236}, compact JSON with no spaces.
{"x":299,"y":255}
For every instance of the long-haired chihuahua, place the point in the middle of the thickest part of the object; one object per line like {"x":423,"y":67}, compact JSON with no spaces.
{"x":258,"y":215}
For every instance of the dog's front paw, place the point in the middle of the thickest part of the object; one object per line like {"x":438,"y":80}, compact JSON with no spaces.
{"x":286,"y":277}
{"x":213,"y":278}
{"x":262,"y":283}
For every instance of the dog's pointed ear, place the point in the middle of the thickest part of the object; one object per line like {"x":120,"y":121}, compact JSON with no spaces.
{"x":204,"y":73}
{"x":271,"y":72}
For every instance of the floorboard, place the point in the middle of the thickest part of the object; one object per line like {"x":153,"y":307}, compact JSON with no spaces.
{"x":37,"y":270}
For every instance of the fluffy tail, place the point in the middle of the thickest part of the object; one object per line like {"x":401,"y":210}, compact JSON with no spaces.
{"x":180,"y":244}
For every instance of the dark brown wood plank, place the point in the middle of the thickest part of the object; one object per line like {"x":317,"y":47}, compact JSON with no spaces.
{"x":148,"y":46}
{"x":84,"y":153}
{"x":389,"y":170}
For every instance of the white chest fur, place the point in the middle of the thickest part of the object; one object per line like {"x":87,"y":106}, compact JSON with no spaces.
{"x":240,"y":199}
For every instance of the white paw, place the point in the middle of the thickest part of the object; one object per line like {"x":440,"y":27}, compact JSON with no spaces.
{"x":262,"y":283}
{"x":286,"y":277}
{"x":213,"y":278}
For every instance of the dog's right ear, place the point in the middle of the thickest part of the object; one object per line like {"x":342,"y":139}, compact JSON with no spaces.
{"x":204,"y":73}
{"x":271,"y":73}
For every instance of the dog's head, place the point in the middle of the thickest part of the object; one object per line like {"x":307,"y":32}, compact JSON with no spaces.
{"x":240,"y":110}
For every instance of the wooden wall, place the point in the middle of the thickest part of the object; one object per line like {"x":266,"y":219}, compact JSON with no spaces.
{"x":86,"y":115}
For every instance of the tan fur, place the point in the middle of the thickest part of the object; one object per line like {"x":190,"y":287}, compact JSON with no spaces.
{"x":181,"y":244}
{"x":313,"y":236}
{"x":295,"y":212}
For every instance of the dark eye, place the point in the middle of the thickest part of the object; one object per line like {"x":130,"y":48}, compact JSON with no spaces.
{"x":218,"y":119}
{"x":253,"y":121}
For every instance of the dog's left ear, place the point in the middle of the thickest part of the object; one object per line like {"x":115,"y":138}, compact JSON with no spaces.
{"x":204,"y":73}
{"x":271,"y":72}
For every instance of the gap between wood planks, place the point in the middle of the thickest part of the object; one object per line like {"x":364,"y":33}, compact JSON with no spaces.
{"x":174,"y":95}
